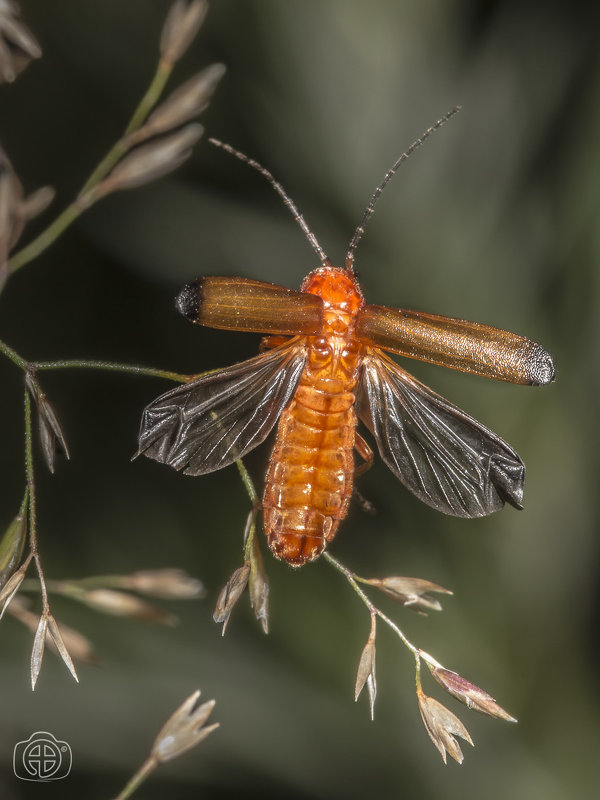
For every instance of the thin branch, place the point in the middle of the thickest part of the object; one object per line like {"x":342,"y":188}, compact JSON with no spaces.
{"x":75,"y":363}
{"x":136,"y":780}
{"x":87,"y":196}
{"x":248,"y":483}
{"x":178,"y":377}
{"x":29,"y":475}
{"x":249,"y":535}
{"x":49,"y":235}
{"x":154,"y":91}
{"x":13,"y":355}
{"x":373,"y":609}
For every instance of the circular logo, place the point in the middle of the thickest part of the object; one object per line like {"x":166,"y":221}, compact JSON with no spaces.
{"x":42,"y":758}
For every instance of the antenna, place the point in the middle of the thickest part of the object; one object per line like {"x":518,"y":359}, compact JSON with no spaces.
{"x":388,"y":176}
{"x":281,"y":192}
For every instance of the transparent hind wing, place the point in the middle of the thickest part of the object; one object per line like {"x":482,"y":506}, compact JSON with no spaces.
{"x":209,"y":423}
{"x":446,"y":458}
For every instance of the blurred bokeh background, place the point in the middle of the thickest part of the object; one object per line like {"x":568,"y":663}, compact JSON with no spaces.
{"x":496,"y":219}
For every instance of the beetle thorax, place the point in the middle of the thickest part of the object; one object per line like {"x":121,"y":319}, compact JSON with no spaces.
{"x":341,"y":295}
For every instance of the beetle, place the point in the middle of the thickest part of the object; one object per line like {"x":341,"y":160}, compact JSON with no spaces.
{"x":321,"y":381}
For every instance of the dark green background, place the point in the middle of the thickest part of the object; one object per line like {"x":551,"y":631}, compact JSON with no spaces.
{"x":496,"y":219}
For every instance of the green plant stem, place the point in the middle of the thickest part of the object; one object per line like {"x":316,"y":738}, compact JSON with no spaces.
{"x":64,"y":588}
{"x":76,"y":587}
{"x":76,"y":363}
{"x":154,"y":91}
{"x":247,"y":481}
{"x":140,"y":776}
{"x":418,"y":672}
{"x":13,"y":355}
{"x":250,"y":531}
{"x":86,"y":196}
{"x":110,"y":366}
{"x":116,"y":152}
{"x":249,"y":535}
{"x":25,"y":502}
{"x":29,"y":475}
{"x":48,"y":236}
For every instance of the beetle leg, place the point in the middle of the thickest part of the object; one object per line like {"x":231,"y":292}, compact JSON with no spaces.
{"x":365,"y":452}
{"x":269,"y":342}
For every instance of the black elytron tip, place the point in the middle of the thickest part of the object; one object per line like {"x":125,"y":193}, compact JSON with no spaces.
{"x":541,"y":367}
{"x":187,"y":301}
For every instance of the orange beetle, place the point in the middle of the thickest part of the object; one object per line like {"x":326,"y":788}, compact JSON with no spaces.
{"x":318,"y":383}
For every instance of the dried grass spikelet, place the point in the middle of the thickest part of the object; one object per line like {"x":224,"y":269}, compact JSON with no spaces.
{"x":442,"y":726}
{"x":258,"y":586}
{"x":78,"y":646}
{"x":366,"y":669}
{"x":50,"y":430}
{"x":151,"y":161}
{"x":47,"y":629}
{"x":16,"y":209}
{"x":186,"y":102}
{"x":11,"y":587}
{"x":184,"y":729}
{"x":11,"y":546}
{"x":180,"y":28}
{"x":18,"y":45}
{"x":37,"y":651}
{"x":230,"y":594}
{"x":58,"y":641}
{"x":468,"y":693}
{"x":168,"y":584}
{"x":121,"y":604}
{"x":411,"y":592}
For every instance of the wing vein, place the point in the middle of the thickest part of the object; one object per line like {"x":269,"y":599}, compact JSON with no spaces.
{"x":446,"y":458}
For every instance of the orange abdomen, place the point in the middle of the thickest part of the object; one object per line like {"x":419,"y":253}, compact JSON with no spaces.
{"x":309,"y":481}
{"x":311,"y":470}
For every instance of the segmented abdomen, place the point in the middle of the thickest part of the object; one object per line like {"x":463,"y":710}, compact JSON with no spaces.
{"x":310,"y":475}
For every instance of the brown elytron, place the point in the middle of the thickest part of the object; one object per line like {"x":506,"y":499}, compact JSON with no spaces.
{"x":318,"y":384}
{"x":310,"y":475}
